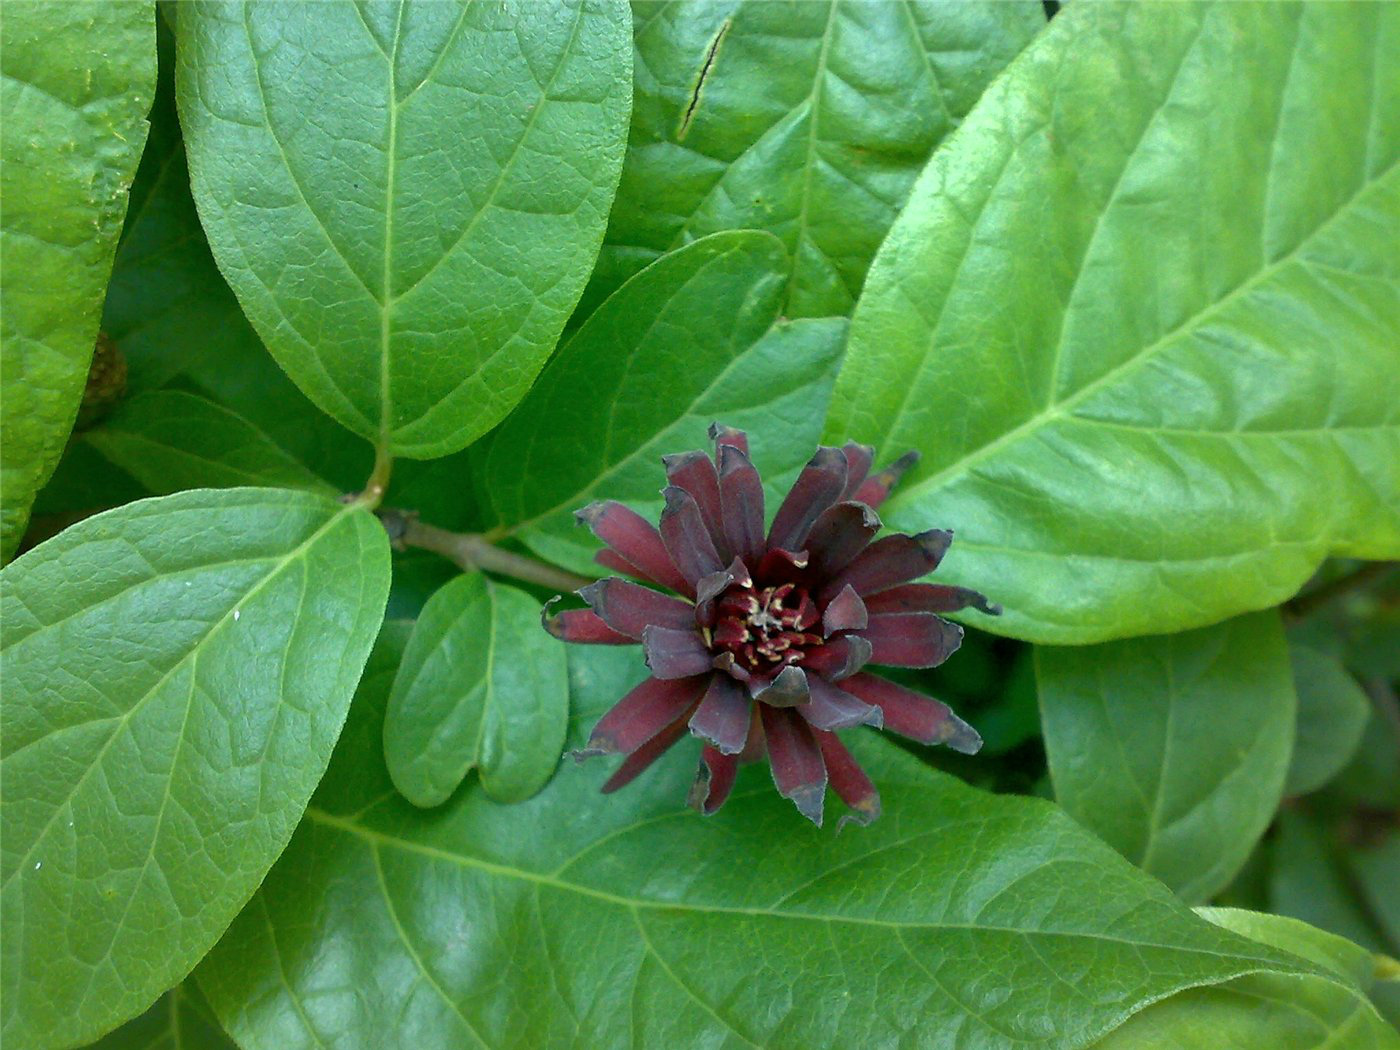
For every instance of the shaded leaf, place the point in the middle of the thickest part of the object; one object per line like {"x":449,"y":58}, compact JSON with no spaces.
{"x":694,"y":338}
{"x":1173,"y":748}
{"x":1332,"y":715}
{"x":808,"y":120}
{"x":76,"y":80}
{"x":482,"y":686}
{"x":176,"y":672}
{"x":1307,"y":882}
{"x":583,"y":920}
{"x":179,"y":1020}
{"x":169,"y":440}
{"x":1115,"y":341}
{"x":1376,"y":870}
{"x":407,"y":199}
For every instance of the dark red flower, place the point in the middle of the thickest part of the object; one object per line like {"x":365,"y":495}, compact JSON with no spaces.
{"x":762,"y":653}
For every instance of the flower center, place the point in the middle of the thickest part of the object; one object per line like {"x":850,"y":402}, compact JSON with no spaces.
{"x":765,"y":629}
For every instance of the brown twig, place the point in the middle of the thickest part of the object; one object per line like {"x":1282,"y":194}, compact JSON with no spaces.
{"x":471,"y":551}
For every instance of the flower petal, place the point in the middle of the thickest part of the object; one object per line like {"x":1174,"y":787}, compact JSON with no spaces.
{"x":637,"y":762}
{"x":876,"y":489}
{"x":889,"y":561}
{"x":675,"y":654}
{"x":581,"y":625}
{"x":834,"y":708}
{"x":610,"y":559}
{"x":819,"y":485}
{"x":839,"y":658}
{"x":686,"y":538}
{"x":636,"y":540}
{"x":928,"y":597}
{"x":723,"y":715}
{"x":849,"y":781}
{"x":841,"y":533}
{"x":629,"y":608}
{"x":643,"y":713}
{"x":845,"y":612}
{"x":858,"y":461}
{"x":741,"y":504}
{"x":796,"y":761}
{"x":911,"y":639}
{"x":780,"y":566}
{"x":712,"y":586}
{"x":713,"y":780}
{"x":787,"y":688}
{"x":695,"y":473}
{"x":914,"y":715}
{"x":726,"y":662}
{"x":731,"y":437}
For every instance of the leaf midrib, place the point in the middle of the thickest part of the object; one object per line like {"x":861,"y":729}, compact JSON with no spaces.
{"x":378,"y":839}
{"x":1062,"y":408}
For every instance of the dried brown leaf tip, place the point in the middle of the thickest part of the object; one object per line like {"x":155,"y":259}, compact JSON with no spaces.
{"x":760,"y":651}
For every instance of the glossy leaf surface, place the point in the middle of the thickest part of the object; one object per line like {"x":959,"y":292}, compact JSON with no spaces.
{"x":76,"y":81}
{"x":694,"y":338}
{"x":1110,"y":318}
{"x":1173,"y":748}
{"x":406,"y":198}
{"x":176,"y":672}
{"x":585,"y":920}
{"x":481,"y":686}
{"x":808,"y":120}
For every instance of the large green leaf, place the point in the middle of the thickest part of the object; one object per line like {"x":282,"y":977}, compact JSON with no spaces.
{"x":76,"y":80}
{"x":170,"y":440}
{"x":1332,"y":715}
{"x":1173,"y":748}
{"x":406,"y":198}
{"x":576,"y":919}
{"x":809,"y":120}
{"x":1140,"y":316}
{"x":694,"y":338}
{"x":481,"y":686}
{"x":176,"y":672}
{"x":179,"y":1020}
{"x":1345,"y":959}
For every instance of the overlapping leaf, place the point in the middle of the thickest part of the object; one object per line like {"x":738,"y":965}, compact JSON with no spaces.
{"x":808,"y":120}
{"x":176,"y":672}
{"x":1332,"y":715}
{"x":694,"y":338}
{"x":179,"y":1020}
{"x":628,"y":920}
{"x":1173,"y":748}
{"x":170,"y":440}
{"x":76,"y":80}
{"x":406,"y":198}
{"x":1140,"y":316}
{"x":481,"y":686}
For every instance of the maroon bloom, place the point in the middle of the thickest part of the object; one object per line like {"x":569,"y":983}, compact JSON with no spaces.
{"x":762,"y":653}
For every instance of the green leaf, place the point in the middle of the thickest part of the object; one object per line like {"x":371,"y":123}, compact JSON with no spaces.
{"x":1375,"y":870}
{"x":576,"y":919}
{"x":1115,"y":337}
{"x":176,"y":672}
{"x":169,"y":440}
{"x":808,"y":120}
{"x":1173,"y":748}
{"x":482,"y":686}
{"x":694,"y":338}
{"x":76,"y":80}
{"x":1306,"y":881}
{"x":1347,"y":959}
{"x":179,"y":1020}
{"x":407,"y":200}
{"x":1332,"y":716}
{"x":1260,"y":1012}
